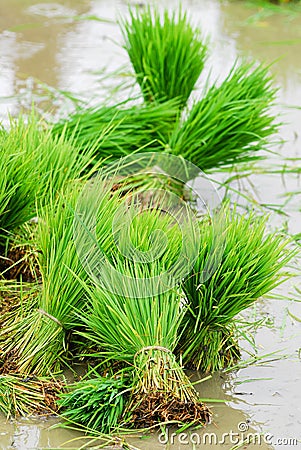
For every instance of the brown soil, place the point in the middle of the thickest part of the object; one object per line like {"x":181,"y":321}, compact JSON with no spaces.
{"x":19,"y":263}
{"x":8,"y":364}
{"x":156,"y":408}
{"x":50,"y":391}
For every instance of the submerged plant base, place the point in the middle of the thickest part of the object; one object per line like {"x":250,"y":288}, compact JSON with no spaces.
{"x":159,"y":407}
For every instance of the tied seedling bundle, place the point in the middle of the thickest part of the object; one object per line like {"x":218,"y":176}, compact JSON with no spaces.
{"x":167,"y":53}
{"x":132,"y":315}
{"x":21,"y":396}
{"x":34,"y":166}
{"x":230,"y":123}
{"x":39,"y":339}
{"x":247,"y":265}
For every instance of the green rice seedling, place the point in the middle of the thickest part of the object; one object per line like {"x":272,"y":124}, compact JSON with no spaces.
{"x":166,"y":52}
{"x":116,"y":131}
{"x":17,"y":181}
{"x":249,"y":267}
{"x":34,"y":165}
{"x":40,"y":338}
{"x":143,"y":332}
{"x":96,"y":403}
{"x":231,"y":123}
{"x":21,"y":396}
{"x":129,"y":318}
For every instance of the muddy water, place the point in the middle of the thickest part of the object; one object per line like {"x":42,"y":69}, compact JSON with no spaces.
{"x":57,"y":44}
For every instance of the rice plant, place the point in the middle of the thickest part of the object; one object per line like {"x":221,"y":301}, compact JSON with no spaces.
{"x":249,"y":267}
{"x":17,"y":300}
{"x":21,"y":396}
{"x":40,"y":338}
{"x":17,"y":180}
{"x":231,"y":123}
{"x":95,"y":404}
{"x":129,"y":318}
{"x":166,"y":52}
{"x":116,"y":131}
{"x":34,"y":166}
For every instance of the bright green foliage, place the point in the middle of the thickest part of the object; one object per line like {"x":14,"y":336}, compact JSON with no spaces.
{"x":231,"y":123}
{"x":234,"y":269}
{"x":135,"y":251}
{"x":116,"y":131}
{"x":166,"y":52}
{"x":132,"y":325}
{"x":96,"y":403}
{"x":17,"y":176}
{"x":34,"y":166}
{"x":40,"y":337}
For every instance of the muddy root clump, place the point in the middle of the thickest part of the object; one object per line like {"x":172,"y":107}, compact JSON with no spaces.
{"x":156,"y":408}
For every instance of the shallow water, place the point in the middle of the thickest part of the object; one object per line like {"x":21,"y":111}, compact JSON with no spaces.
{"x":57,"y":44}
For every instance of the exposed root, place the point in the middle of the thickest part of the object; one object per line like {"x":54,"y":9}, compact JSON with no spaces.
{"x":8,"y":363}
{"x":157,"y":407}
{"x":50,"y":391}
{"x":164,"y":392}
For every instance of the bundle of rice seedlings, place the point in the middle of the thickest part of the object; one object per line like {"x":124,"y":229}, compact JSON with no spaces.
{"x":17,"y":299}
{"x":143,"y":332}
{"x":17,"y":181}
{"x":167,"y":53}
{"x":34,"y":165}
{"x":134,"y":312}
{"x":231,"y":123}
{"x":116,"y":131}
{"x":95,"y":404}
{"x":40,"y":338}
{"x":248,"y":268}
{"x":27,"y":396}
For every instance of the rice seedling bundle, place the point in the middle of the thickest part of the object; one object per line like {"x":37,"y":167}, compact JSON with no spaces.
{"x":17,"y":183}
{"x":116,"y":131}
{"x":21,"y":396}
{"x":34,"y":166}
{"x":231,"y":123}
{"x":17,"y":300}
{"x":128,"y":317}
{"x":40,"y":339}
{"x":166,"y":52}
{"x":248,"y":268}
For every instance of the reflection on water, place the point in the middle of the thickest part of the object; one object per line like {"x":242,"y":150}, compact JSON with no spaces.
{"x":53,"y":43}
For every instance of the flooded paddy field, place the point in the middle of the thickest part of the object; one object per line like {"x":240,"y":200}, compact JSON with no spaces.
{"x":49,"y":49}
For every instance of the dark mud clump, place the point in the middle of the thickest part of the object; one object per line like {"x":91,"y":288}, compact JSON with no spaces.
{"x":156,"y":408}
{"x":19,"y":263}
